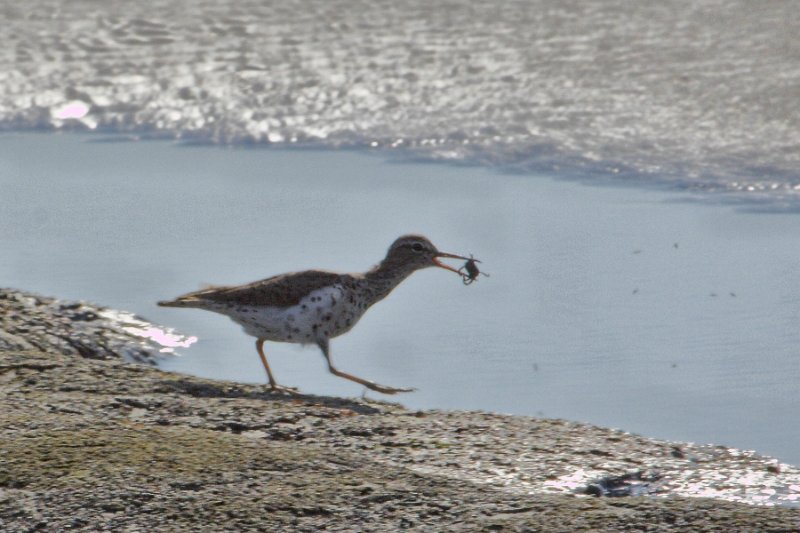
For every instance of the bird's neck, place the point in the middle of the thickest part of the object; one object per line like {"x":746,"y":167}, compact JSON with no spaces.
{"x":384,"y":277}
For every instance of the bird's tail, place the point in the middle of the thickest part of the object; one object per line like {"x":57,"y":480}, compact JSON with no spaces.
{"x":202,"y":298}
{"x":182,"y":301}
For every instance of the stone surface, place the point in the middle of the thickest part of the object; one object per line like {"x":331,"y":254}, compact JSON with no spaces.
{"x":91,"y":442}
{"x":30,"y":321}
{"x":108,"y":445}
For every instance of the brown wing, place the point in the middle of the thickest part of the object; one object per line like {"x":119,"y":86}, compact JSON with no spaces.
{"x":284,"y":290}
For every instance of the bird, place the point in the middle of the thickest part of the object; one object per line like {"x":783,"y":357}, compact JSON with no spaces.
{"x":314,"y":306}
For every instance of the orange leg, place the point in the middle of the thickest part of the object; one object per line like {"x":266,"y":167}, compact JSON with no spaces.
{"x":323,"y":345}
{"x":272,"y":383}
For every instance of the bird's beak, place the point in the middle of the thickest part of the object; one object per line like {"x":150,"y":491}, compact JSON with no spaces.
{"x":447,"y":267}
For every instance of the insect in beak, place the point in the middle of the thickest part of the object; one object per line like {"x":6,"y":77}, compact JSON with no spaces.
{"x":472,"y":271}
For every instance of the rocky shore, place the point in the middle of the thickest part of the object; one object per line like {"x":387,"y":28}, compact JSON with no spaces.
{"x":33,"y":322}
{"x":103,"y":444}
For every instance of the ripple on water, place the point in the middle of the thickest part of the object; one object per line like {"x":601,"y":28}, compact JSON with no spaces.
{"x":700,"y":98}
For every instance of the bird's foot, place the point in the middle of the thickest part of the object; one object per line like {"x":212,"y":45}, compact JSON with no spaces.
{"x":280,"y":389}
{"x":386,"y":390}
{"x":367,"y":383}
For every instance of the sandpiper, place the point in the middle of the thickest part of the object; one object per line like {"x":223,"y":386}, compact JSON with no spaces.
{"x":313,"y":306}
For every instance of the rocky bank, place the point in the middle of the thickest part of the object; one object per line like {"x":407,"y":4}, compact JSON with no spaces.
{"x":102,"y":444}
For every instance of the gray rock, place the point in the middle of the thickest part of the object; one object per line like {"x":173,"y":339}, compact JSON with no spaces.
{"x":100,"y":444}
{"x":29,"y":321}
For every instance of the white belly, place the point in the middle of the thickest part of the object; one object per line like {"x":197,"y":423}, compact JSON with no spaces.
{"x":324,"y":313}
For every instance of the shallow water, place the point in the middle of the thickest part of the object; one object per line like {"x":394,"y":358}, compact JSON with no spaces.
{"x":625,"y":307}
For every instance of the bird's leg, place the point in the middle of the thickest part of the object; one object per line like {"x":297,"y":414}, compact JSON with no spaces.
{"x":323,"y":345}
{"x":272,"y":383}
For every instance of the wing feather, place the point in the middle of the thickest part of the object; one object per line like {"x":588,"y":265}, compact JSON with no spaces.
{"x":284,"y":290}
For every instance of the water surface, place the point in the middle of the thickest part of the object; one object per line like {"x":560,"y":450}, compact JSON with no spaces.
{"x":625,"y":307}
{"x":697,"y":94}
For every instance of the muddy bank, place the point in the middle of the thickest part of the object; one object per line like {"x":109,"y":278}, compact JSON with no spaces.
{"x":103,"y":444}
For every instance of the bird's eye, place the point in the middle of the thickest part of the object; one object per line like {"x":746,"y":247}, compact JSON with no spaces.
{"x":417,"y":247}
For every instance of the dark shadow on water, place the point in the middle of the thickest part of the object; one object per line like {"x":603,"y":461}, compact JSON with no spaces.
{"x":638,"y":483}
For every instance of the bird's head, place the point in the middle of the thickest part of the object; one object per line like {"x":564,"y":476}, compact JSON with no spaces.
{"x":415,"y":252}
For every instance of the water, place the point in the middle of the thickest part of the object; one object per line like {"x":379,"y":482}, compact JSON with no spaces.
{"x":621,"y":306}
{"x":690,"y":95}
{"x":672,"y":314}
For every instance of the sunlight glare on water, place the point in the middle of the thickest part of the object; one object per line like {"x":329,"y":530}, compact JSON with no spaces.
{"x":700,"y":97}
